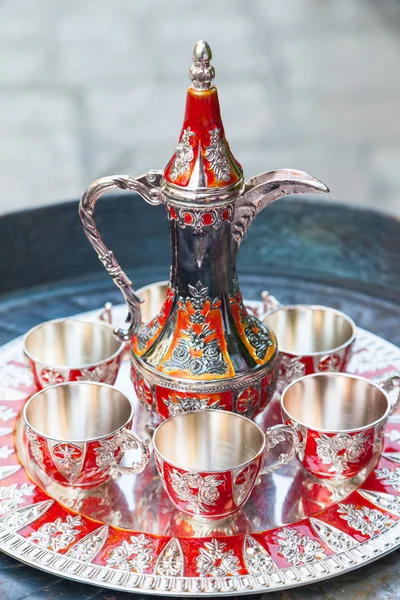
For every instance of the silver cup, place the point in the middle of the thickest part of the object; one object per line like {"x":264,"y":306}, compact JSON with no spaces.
{"x":71,"y":350}
{"x":78,"y":432}
{"x":311,"y":339}
{"x":339,"y":420}
{"x":209,"y":460}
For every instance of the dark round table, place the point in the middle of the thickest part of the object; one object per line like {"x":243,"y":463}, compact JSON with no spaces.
{"x":302,"y":251}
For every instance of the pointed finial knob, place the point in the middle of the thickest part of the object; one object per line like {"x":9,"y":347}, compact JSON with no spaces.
{"x":201,"y":72}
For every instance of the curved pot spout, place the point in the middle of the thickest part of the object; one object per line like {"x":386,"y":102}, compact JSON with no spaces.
{"x":262,"y":190}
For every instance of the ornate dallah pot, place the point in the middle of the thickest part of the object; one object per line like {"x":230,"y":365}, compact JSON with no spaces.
{"x":204,"y":349}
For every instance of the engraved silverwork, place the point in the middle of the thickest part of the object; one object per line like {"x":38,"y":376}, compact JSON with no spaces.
{"x":135,"y":555}
{"x":59,"y":534}
{"x":381,"y":500}
{"x":214,"y":560}
{"x":88,"y":547}
{"x":257,"y":559}
{"x":199,"y":492}
{"x":338,"y":450}
{"x":368,"y":521}
{"x":171,"y":560}
{"x":25,"y":516}
{"x":13,"y":495}
{"x":337,"y":540}
{"x":180,"y":405}
{"x":217,"y":155}
{"x":389,"y":477}
{"x":297,"y":548}
{"x":183,"y":155}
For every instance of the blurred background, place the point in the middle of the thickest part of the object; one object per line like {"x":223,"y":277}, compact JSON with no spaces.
{"x":96,"y":87}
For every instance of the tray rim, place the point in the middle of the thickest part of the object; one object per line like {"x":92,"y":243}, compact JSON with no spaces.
{"x":242,"y":584}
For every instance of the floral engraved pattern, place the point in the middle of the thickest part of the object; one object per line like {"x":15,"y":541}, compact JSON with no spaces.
{"x":340,"y":450}
{"x":35,"y":446}
{"x":108,"y":449}
{"x":170,"y":562}
{"x":389,"y":477}
{"x":199,"y":492}
{"x":247,"y":400}
{"x":12,"y":496}
{"x":330,"y":363}
{"x":362,"y":361}
{"x":50,"y":377}
{"x":217,"y":155}
{"x":144,"y":394}
{"x":180,"y":405}
{"x":87,"y":548}
{"x":243,"y":483}
{"x":366,"y":520}
{"x":183,"y":155}
{"x":337,"y":540}
{"x":24,"y":516}
{"x":6,"y":413}
{"x":393,"y":435}
{"x":68,"y":458}
{"x":290,"y":369}
{"x":298,"y":549}
{"x":5,"y":452}
{"x":258,"y":336}
{"x":385,"y":501}
{"x":198,"y":352}
{"x":104,"y":373}
{"x":59,"y":534}
{"x":133,"y":556}
{"x":147,"y":332}
{"x":8,"y":470}
{"x":256,"y":557}
{"x":215,"y":561}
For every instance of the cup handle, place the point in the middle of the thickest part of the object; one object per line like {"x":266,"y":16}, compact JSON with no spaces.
{"x":388,"y":386}
{"x":270,"y":303}
{"x":106,"y":313}
{"x":275,"y":435}
{"x":131,"y":441}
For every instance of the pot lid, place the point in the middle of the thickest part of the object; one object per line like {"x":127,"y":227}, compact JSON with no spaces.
{"x":203,"y":163}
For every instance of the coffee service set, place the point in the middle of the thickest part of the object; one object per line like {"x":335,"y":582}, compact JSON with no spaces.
{"x":203,"y":364}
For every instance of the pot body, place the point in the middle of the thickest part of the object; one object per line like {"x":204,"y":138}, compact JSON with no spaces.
{"x":203,"y":349}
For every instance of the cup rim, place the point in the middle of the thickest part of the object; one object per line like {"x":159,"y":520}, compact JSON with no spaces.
{"x":196,"y":470}
{"x":77,"y":383}
{"x":70,"y":367}
{"x":286,"y":307}
{"x":336,"y":431}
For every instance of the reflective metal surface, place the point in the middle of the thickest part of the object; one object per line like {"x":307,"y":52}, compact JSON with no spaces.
{"x":78,"y":411}
{"x":71,"y":344}
{"x":203,"y":440}
{"x":140,"y":502}
{"x":77,"y":433}
{"x":303,"y":329}
{"x":335,"y":402}
{"x":290,"y":509}
{"x":153,"y":297}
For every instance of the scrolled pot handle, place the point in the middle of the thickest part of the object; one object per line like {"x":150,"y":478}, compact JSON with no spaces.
{"x":148,"y":188}
{"x":274,"y":436}
{"x":132,"y":441}
{"x":388,"y":386}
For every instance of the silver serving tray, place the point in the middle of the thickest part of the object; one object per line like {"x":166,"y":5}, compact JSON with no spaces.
{"x":125,"y":535}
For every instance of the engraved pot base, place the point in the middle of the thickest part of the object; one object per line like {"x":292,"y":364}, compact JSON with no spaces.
{"x":126,"y":535}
